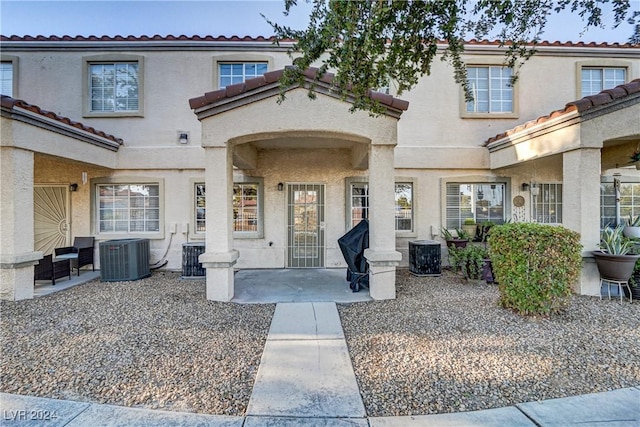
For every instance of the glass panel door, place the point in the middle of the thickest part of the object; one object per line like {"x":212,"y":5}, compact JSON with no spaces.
{"x":305,"y":225}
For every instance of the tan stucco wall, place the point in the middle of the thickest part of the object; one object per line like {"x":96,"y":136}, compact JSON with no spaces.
{"x":547,"y":82}
{"x":37,"y":139}
{"x":434,"y":142}
{"x":54,"y":170}
{"x":328,"y":167}
{"x":269,"y":119}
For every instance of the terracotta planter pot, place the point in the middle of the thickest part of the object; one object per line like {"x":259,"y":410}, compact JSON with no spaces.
{"x":615,"y":267}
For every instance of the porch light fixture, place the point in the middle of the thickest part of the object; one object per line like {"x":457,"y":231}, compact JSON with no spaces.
{"x":183,"y":138}
{"x":280,"y":186}
{"x":525,"y":186}
{"x":73,"y":187}
{"x":535,"y":190}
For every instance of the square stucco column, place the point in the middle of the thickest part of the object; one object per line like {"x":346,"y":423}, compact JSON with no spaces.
{"x":581,"y":206}
{"x":219,"y":256}
{"x":17,"y":256}
{"x":381,"y":254}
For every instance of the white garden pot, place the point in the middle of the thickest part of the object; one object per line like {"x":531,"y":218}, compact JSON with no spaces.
{"x":632,"y":232}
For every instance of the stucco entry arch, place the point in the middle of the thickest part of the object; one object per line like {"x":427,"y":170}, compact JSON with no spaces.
{"x":241,"y":119}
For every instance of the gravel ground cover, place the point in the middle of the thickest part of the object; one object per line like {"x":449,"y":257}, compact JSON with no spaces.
{"x":444,"y":345}
{"x":153,"y":343}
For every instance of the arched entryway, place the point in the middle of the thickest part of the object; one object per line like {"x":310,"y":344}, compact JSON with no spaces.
{"x":307,"y":149}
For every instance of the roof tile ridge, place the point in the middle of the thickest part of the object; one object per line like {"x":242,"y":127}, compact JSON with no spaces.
{"x":12,"y":103}
{"x":310,"y":73}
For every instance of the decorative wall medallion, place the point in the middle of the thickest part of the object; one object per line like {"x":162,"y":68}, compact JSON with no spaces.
{"x":518,"y":201}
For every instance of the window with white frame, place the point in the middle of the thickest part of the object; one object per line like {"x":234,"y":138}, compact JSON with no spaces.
{"x":128,"y":208}
{"x":359,"y":204}
{"x":246,"y":208}
{"x":597,"y":79}
{"x":6,"y":78}
{"x":546,"y":203}
{"x":113,"y":87}
{"x":201,"y":208}
{"x":404,"y":206}
{"x":491,"y":88}
{"x":237,"y":72}
{"x":629,"y":202}
{"x":481,"y":202}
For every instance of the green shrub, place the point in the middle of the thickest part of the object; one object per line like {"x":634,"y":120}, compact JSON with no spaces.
{"x":535,"y":266}
{"x":470,"y":260}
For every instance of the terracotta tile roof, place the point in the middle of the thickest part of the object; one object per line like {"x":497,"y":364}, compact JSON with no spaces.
{"x":157,"y":37}
{"x":10,"y":104}
{"x":40,"y":38}
{"x":581,"y":105}
{"x":273,"y":77}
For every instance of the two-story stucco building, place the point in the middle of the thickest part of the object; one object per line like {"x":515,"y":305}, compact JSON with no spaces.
{"x":180,"y":139}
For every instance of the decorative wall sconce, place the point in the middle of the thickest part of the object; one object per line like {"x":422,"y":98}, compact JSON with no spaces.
{"x":73,"y":187}
{"x":280,"y":186}
{"x":525,"y":186}
{"x":183,"y":138}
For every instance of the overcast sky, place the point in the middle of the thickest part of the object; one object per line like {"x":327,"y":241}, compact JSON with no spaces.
{"x":209,"y":17}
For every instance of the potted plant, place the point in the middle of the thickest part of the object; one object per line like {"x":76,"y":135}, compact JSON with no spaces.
{"x":614,"y":259}
{"x":472,"y":262}
{"x":632,"y":228}
{"x":458,"y":241}
{"x":485,"y":228}
{"x":470,"y":227}
{"x":634,"y":282}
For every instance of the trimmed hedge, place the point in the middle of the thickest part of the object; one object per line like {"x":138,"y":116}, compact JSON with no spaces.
{"x":535,"y":266}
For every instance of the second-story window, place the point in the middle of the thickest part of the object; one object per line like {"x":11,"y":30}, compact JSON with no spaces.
{"x":491,"y":88}
{"x":6,"y":78}
{"x":237,"y":72}
{"x":113,"y":87}
{"x":597,"y":79}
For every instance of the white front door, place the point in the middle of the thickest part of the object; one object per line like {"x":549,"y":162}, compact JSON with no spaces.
{"x":50,"y":217}
{"x":305,"y":225}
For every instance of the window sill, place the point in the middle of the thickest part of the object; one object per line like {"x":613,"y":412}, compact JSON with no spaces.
{"x":248,"y":236}
{"x":466,"y":115}
{"x":115,"y":236}
{"x":114,"y":114}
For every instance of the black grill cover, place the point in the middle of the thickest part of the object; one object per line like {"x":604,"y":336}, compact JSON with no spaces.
{"x":352,"y":246}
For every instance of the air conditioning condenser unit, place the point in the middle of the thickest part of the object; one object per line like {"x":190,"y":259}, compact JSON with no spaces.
{"x":124,"y":259}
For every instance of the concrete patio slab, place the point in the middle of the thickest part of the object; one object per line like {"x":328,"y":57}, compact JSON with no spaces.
{"x":300,"y":321}
{"x":614,"y":408}
{"x":498,"y":417}
{"x":295,"y":285}
{"x":44,"y":287}
{"x":313,"y":422}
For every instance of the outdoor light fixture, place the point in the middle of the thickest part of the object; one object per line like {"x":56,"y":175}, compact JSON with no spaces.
{"x":73,"y":187}
{"x":525,"y":186}
{"x":183,"y":138}
{"x":535,"y":190}
{"x":280,"y":186}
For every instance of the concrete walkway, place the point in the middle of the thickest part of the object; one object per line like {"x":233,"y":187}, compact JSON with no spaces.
{"x":305,"y":371}
{"x":305,"y":378}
